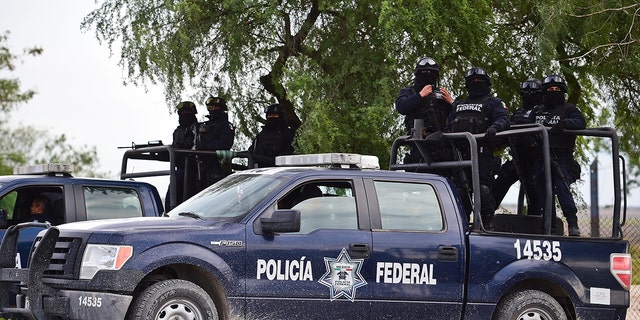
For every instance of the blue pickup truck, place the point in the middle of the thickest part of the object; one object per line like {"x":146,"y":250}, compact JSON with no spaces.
{"x":324,"y":236}
{"x":69,"y":199}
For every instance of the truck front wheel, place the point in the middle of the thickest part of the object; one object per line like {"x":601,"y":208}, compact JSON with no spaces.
{"x":529,"y":305}
{"x":173,"y":299}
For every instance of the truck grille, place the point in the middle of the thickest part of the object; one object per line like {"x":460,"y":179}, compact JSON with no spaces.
{"x":62,"y":264}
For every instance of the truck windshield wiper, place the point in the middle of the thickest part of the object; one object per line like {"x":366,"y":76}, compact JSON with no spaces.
{"x":190,"y":214}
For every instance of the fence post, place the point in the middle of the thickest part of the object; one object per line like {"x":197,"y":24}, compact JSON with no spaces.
{"x":595,"y":216}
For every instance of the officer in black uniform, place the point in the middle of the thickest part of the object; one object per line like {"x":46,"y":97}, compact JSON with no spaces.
{"x":479,"y":113}
{"x":183,"y":138}
{"x":275,"y":138}
{"x":424,"y":100}
{"x":559,"y":115}
{"x":520,"y":167}
{"x":212,"y":135}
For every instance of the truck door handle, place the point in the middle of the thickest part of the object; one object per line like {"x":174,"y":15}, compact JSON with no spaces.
{"x":446,"y":253}
{"x":359,"y":250}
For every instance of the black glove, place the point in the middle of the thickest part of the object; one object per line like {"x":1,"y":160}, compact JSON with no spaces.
{"x":491,"y":132}
{"x":558,"y":127}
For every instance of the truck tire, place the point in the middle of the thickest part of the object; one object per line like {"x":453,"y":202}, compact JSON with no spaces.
{"x":173,"y":299}
{"x":529,"y":305}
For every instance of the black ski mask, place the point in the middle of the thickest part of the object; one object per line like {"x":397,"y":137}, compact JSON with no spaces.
{"x":478,"y":88}
{"x":216,"y":114}
{"x":186,"y":119}
{"x":554,"y":98}
{"x":425,"y":78}
{"x":531,"y":100}
{"x":274,"y":123}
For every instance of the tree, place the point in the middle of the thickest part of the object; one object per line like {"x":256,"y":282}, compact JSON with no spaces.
{"x":336,"y":66}
{"x":23,"y":145}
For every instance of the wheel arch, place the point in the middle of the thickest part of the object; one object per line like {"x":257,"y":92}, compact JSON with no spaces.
{"x":547,"y":286}
{"x":192,"y":273}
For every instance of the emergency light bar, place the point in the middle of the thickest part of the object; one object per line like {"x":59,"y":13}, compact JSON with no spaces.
{"x":329,"y":159}
{"x":45,"y":168}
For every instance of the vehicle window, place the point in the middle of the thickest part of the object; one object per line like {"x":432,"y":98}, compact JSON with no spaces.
{"x":111,"y":203}
{"x":409,"y":206}
{"x":8,"y":204}
{"x":234,"y":196}
{"x":323,"y":205}
{"x":16,"y":204}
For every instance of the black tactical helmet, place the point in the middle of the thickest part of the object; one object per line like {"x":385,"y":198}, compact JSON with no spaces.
{"x":554,"y":80}
{"x":216,"y":101}
{"x":185,"y":107}
{"x":531,"y":86}
{"x":274,"y":108}
{"x":477,"y":73}
{"x":426,"y":63}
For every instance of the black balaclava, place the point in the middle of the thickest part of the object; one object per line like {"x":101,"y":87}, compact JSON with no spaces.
{"x":553,"y":98}
{"x":186,"y":119}
{"x":216,"y":114}
{"x":424,"y":78}
{"x":274,"y":123}
{"x":477,"y":87}
{"x":531,"y":100}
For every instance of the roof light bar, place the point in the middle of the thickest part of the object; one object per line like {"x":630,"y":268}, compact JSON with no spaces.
{"x":329,"y":159}
{"x":45,"y":168}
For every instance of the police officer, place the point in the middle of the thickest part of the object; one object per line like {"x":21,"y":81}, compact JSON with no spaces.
{"x":479,"y":113}
{"x":520,"y":167}
{"x":275,"y":138}
{"x":212,"y":135}
{"x":424,"y":100}
{"x":559,"y":115}
{"x":184,"y":138}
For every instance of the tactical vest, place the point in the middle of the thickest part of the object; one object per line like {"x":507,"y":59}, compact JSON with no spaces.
{"x":208,"y":132}
{"x":433,"y":111}
{"x":522,"y":116}
{"x":559,"y":143}
{"x":269,"y":143}
{"x":183,"y":137}
{"x":471,"y":116}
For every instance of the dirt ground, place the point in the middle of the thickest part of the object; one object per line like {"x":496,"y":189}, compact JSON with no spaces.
{"x":634,"y":308}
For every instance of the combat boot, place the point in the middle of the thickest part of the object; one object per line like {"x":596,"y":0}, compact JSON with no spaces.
{"x":572,"y":222}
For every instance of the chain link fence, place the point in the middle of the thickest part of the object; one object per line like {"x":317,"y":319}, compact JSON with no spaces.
{"x":631,"y":231}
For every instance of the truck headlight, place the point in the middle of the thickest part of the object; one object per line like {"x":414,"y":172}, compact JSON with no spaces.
{"x":103,"y":257}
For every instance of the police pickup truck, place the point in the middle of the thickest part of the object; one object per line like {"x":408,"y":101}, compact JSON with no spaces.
{"x":70,"y":199}
{"x":336,"y":240}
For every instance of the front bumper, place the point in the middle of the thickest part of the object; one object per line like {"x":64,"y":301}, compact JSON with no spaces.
{"x":37,"y":300}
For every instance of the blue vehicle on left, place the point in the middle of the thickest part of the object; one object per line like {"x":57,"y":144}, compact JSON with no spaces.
{"x":70,"y":199}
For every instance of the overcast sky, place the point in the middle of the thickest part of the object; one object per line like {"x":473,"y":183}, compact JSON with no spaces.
{"x":80,"y":89}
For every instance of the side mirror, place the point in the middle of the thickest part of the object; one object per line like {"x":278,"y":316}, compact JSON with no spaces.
{"x":3,"y":219}
{"x":281,"y":221}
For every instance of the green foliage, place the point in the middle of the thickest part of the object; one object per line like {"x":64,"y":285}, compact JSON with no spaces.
{"x":28,"y":145}
{"x":336,"y":66}
{"x":635,"y":256}
{"x":10,"y":94}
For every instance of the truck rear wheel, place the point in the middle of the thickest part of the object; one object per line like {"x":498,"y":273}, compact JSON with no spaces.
{"x":530,"y":305}
{"x":173,"y":299}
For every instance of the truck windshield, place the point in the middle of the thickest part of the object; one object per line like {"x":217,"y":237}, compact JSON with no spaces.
{"x":232,"y":197}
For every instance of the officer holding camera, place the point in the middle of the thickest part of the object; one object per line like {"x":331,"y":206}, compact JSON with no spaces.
{"x":424,"y":100}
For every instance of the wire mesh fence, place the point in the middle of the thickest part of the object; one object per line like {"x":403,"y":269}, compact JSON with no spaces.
{"x":631,"y":231}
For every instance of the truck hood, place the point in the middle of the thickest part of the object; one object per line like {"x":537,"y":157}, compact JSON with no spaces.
{"x":141,"y":223}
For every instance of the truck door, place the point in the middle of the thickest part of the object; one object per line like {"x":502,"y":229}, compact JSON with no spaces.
{"x":318,"y":271}
{"x":417,"y":251}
